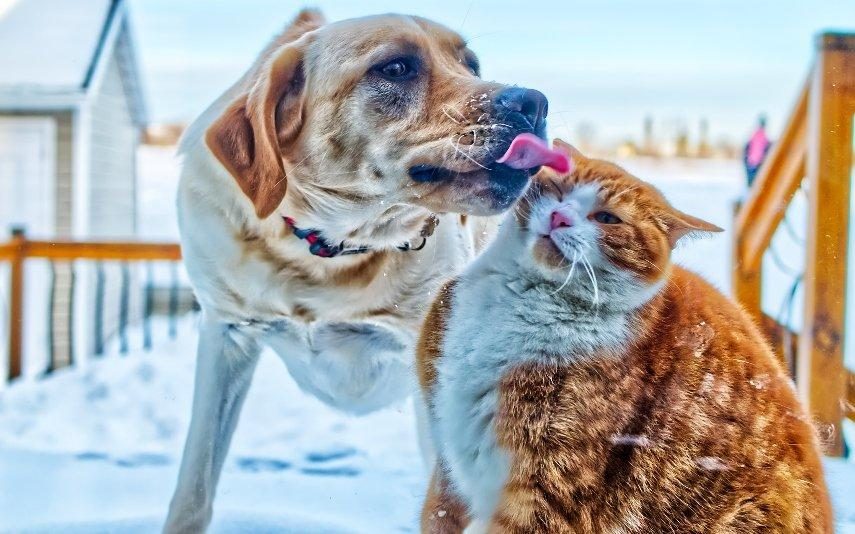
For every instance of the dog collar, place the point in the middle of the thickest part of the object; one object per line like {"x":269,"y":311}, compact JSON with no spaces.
{"x":319,"y":246}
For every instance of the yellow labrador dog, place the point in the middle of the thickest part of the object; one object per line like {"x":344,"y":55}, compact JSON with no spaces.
{"x":322,"y":202}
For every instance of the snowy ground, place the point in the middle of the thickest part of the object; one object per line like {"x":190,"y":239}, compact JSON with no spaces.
{"x":96,"y":448}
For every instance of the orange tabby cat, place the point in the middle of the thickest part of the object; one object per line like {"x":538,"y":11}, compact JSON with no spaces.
{"x":579,"y":382}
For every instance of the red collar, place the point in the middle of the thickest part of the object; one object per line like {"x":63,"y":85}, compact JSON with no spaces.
{"x":319,"y":246}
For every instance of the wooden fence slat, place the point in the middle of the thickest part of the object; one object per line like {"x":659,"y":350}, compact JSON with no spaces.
{"x":8,"y":251}
{"x":16,"y":303}
{"x":52,"y":359}
{"x":100,"y":281}
{"x":821,"y":375}
{"x":120,"y":251}
{"x":19,"y":249}
{"x":746,"y":283}
{"x":148,"y":305}
{"x":124,"y":304}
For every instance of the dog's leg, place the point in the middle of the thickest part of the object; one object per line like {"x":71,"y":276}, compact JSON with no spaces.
{"x":224,"y":367}
{"x":355,"y":366}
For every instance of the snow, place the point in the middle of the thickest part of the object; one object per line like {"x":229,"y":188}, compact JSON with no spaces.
{"x":99,"y":448}
{"x":159,"y":170}
{"x":96,"y":448}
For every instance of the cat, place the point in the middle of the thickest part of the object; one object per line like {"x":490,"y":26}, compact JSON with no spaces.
{"x":578,"y":381}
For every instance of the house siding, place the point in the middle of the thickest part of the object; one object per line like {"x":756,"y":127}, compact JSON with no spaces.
{"x":112,"y":148}
{"x":113,"y":143}
{"x":64,"y":165}
{"x":61,"y":330}
{"x":97,"y":135}
{"x":64,"y":168}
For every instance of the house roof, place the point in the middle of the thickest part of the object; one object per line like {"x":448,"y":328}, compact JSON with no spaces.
{"x":53,"y":50}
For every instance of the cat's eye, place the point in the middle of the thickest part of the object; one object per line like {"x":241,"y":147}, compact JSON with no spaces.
{"x":604,"y":217}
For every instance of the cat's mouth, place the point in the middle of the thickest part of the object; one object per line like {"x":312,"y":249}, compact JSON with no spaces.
{"x":568,"y":245}
{"x":557,"y":253}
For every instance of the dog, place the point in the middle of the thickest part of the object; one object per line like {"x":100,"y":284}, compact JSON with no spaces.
{"x":323,"y":200}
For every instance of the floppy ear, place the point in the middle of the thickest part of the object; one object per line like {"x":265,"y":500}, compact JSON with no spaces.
{"x":247,"y":138}
{"x":680,"y":224}
{"x":308,"y":19}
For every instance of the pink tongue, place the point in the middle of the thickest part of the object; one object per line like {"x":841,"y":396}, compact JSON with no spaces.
{"x":528,"y":151}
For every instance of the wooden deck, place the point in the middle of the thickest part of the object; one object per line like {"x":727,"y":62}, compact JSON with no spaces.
{"x":20,"y":249}
{"x":815,"y":149}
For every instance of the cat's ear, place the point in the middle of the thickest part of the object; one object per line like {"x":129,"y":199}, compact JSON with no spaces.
{"x":568,"y":149}
{"x":680,"y":224}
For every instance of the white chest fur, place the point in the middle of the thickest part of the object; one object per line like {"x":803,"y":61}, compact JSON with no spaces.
{"x":500,"y":319}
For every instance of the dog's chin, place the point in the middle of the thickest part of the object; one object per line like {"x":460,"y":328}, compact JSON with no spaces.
{"x":486,"y":191}
{"x":507,"y":185}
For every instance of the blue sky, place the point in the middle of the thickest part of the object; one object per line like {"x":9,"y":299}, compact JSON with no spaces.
{"x":607,"y":63}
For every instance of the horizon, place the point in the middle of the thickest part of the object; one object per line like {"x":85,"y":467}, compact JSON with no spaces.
{"x":677,"y":62}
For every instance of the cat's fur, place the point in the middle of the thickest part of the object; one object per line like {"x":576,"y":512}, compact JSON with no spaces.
{"x":649,"y":405}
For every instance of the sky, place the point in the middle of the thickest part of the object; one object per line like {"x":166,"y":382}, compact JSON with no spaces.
{"x":602,"y":63}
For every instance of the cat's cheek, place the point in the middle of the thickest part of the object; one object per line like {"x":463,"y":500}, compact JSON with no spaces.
{"x":547,"y":255}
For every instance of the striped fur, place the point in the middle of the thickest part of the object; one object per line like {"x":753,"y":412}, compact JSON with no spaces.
{"x":658,"y":409}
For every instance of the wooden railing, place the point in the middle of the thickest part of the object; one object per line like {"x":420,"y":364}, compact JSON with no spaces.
{"x":815,"y":148}
{"x":20,"y":249}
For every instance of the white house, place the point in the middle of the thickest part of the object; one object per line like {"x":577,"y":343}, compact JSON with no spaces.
{"x":71,"y":116}
{"x":71,"y":119}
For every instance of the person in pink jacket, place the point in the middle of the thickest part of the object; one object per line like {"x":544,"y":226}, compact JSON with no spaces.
{"x":755,"y":150}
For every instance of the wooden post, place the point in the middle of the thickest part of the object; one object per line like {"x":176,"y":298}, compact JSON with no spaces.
{"x":16,"y":303}
{"x":745,"y":281}
{"x":820,"y":374}
{"x":756,"y":220}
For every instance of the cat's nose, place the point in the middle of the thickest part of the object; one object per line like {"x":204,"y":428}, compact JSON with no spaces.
{"x":560,"y":220}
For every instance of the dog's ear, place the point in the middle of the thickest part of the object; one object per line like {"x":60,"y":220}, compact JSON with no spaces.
{"x":307,"y":20}
{"x":249,"y":136}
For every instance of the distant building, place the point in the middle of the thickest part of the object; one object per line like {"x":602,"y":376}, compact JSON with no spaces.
{"x":71,"y":119}
{"x":648,"y":143}
{"x":71,"y":116}
{"x":681,"y":143}
{"x":704,"y":150}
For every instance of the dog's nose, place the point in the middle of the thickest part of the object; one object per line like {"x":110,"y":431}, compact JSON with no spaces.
{"x":529,"y":103}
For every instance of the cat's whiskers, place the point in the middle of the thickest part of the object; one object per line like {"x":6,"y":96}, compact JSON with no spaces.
{"x":570,"y":274}
{"x":593,"y":277}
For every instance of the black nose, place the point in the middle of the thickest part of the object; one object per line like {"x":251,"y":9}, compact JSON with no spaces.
{"x":529,"y":103}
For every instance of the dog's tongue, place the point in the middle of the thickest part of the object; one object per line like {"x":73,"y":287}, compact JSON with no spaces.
{"x":528,"y":151}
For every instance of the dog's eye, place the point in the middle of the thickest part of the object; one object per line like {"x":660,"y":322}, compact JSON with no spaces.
{"x":604,"y":217}
{"x":398,"y":69}
{"x":473,"y":66}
